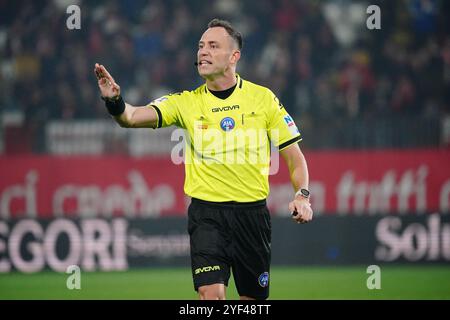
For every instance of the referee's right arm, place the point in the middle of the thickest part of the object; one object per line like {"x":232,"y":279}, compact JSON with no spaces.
{"x":126,"y":115}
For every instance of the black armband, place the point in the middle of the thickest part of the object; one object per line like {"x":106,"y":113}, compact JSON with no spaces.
{"x":115,"y":106}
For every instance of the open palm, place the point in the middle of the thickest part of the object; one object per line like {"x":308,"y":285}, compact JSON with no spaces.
{"x":108,"y":87}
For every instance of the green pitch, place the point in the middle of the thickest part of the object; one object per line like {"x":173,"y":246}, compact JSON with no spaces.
{"x":293,"y":283}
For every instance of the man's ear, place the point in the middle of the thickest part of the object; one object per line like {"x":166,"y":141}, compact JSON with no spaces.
{"x":235,"y":56}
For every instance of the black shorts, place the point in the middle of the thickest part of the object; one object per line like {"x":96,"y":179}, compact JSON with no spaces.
{"x":234,"y":236}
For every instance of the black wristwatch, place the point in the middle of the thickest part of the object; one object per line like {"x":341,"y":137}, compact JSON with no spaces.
{"x":303,"y":192}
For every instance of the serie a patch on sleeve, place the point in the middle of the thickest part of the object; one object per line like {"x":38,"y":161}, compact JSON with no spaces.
{"x":291,"y":125}
{"x":159,"y":100}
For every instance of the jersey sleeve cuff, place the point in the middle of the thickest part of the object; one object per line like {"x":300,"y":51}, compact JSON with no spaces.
{"x":158,"y":113}
{"x":286,"y":144}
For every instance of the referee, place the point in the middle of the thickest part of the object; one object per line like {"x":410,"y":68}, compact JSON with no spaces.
{"x":226,"y":163}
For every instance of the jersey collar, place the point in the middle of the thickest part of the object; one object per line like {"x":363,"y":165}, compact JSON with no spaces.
{"x":238,"y":84}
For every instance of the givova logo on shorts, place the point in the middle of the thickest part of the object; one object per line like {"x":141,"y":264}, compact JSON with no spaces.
{"x":207,"y":269}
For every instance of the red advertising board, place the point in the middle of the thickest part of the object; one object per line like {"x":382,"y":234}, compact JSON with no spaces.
{"x":353,"y":182}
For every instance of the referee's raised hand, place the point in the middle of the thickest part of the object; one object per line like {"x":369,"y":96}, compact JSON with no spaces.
{"x":108,"y":87}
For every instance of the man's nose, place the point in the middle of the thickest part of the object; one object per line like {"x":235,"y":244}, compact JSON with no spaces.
{"x":203,"y":52}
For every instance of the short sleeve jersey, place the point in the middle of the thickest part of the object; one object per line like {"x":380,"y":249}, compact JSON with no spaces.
{"x":228,"y":140}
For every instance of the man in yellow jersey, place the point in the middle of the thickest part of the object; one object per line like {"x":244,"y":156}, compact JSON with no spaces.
{"x":229,"y":123}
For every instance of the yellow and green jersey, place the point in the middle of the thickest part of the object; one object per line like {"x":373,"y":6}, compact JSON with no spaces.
{"x":227,"y":154}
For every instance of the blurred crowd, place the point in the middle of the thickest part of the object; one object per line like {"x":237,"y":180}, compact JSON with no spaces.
{"x":319,"y":57}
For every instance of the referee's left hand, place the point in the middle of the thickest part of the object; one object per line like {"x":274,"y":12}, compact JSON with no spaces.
{"x":301,"y":209}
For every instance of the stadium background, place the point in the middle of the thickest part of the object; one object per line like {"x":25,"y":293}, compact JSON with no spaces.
{"x":372,"y":105}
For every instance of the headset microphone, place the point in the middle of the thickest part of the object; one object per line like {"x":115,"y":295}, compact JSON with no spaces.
{"x":196,"y":63}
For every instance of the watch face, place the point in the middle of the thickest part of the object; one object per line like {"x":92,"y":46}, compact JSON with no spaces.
{"x":305,"y":192}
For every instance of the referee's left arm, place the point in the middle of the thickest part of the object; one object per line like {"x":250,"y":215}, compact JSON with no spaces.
{"x":298,"y":171}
